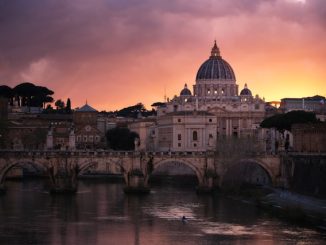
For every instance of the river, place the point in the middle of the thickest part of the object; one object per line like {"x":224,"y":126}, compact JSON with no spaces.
{"x":100,"y":213}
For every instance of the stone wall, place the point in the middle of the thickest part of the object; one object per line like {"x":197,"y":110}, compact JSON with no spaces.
{"x":309,"y":137}
{"x":307,"y":174}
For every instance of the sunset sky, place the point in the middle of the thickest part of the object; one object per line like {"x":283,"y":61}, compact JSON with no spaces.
{"x":116,"y":53}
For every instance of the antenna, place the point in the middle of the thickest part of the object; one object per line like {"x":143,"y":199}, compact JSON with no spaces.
{"x":164,"y":93}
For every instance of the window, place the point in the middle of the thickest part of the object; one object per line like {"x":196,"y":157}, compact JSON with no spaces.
{"x":179,"y":144}
{"x":78,"y":138}
{"x":195,"y":145}
{"x":85,"y":138}
{"x":91,"y":138}
{"x":97,"y":138}
{"x":194,"y":135}
{"x":222,"y":91}
{"x":179,"y":120}
{"x":179,"y":136}
{"x":256,"y":106}
{"x":210,"y":120}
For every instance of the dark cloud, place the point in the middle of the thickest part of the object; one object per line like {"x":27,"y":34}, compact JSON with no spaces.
{"x":36,"y":28}
{"x":56,"y":39}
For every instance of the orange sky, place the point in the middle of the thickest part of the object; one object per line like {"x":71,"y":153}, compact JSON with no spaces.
{"x":118,"y":53}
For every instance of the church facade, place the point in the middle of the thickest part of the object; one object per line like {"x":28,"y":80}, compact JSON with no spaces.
{"x":194,"y":120}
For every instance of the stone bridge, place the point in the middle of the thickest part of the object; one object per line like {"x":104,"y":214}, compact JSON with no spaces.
{"x":63,"y":167}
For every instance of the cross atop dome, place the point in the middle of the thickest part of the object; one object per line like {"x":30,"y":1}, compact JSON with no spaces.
{"x":215,"y":51}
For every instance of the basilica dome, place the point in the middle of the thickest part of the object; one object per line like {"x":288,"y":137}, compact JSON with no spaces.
{"x":215,"y":67}
{"x":246,"y":91}
{"x":185,"y":91}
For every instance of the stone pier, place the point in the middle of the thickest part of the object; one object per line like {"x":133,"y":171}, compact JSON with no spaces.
{"x":3,"y":188}
{"x":63,"y":180}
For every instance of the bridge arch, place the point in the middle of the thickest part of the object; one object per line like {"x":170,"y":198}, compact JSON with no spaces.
{"x":189,"y":164}
{"x":86,"y":166}
{"x":21,"y":163}
{"x":89,"y":163}
{"x":247,"y":171}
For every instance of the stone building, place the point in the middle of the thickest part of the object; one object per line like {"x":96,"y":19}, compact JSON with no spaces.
{"x":195,"y":120}
{"x":60,"y":136}
{"x":88,"y":136}
{"x":316,"y":104}
{"x":145,"y":128}
{"x":309,"y":137}
{"x":29,"y":131}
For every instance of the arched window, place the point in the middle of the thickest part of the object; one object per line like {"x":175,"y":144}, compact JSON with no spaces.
{"x":194,"y":135}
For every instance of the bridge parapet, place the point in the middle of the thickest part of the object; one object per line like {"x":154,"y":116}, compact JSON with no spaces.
{"x":83,"y":153}
{"x":306,"y":154}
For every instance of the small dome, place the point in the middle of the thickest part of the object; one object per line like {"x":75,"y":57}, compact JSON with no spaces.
{"x":215,"y":67}
{"x":185,"y":91}
{"x":246,"y":91}
{"x":86,"y":108}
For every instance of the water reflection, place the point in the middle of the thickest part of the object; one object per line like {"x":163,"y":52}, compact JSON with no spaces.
{"x":101,"y":213}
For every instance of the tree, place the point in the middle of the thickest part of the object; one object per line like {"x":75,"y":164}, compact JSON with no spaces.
{"x":44,"y":95}
{"x":68,"y":106}
{"x":7,"y":92}
{"x":284,"y":121}
{"x":134,"y":111}
{"x":131,"y":111}
{"x":121,"y":139}
{"x":24,"y":93}
{"x":59,"y":104}
{"x":48,"y":110}
{"x":29,"y":95}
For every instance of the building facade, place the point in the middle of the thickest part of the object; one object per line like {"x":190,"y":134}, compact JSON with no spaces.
{"x":315,"y":104}
{"x":88,"y":136}
{"x":195,"y":119}
{"x":309,"y":137}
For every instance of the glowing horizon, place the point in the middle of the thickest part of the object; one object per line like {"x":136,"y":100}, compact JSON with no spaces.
{"x":116,"y":54}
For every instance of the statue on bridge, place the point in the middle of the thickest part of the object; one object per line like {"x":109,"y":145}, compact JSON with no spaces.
{"x":136,"y":144}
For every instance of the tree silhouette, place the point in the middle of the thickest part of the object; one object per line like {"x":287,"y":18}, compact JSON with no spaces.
{"x":68,"y":106}
{"x":7,"y":92}
{"x":121,"y":139}
{"x":24,"y":92}
{"x":59,"y":104}
{"x":284,"y":121}
{"x":27,"y":94}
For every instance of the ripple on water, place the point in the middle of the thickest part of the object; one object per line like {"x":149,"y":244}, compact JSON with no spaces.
{"x":170,"y":212}
{"x":112,"y":218}
{"x":227,"y":229}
